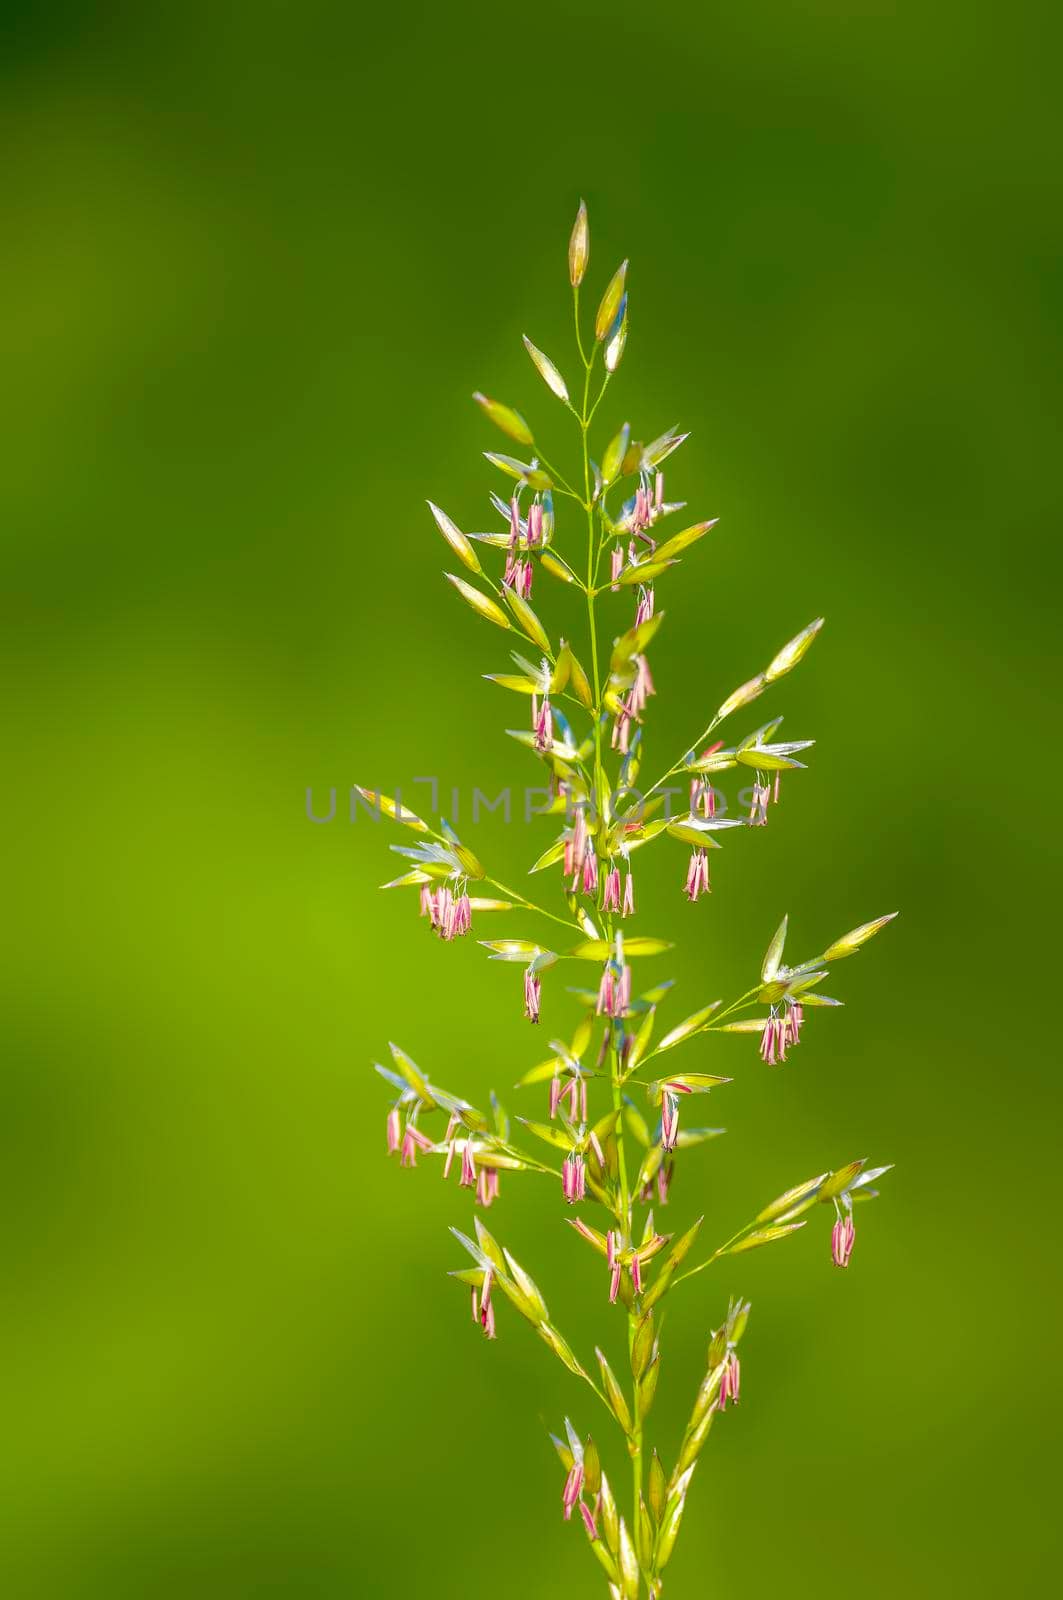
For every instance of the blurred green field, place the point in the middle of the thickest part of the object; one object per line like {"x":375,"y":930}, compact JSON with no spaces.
{"x":255,"y":260}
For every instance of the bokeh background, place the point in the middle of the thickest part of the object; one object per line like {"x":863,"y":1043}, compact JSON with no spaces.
{"x":255,"y":259}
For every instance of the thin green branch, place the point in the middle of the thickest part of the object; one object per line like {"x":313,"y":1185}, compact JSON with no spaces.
{"x":529,"y":905}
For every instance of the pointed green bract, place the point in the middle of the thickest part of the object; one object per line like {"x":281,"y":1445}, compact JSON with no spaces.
{"x":761,"y":1236}
{"x":794,"y":1200}
{"x":511,"y":422}
{"x":527,"y":621}
{"x":791,"y":653}
{"x":527,"y":1286}
{"x":629,"y":1564}
{"x":392,"y":808}
{"x":690,"y":1025}
{"x":579,"y":247}
{"x":682,"y":541}
{"x":773,"y":959}
{"x":615,"y":452}
{"x":613,"y":1393}
{"x":742,"y":696}
{"x":456,"y":539}
{"x":849,"y":943}
{"x":481,"y":603}
{"x":658,"y":1487}
{"x":412,"y":1074}
{"x":546,"y":370}
{"x":644,"y":571}
{"x":509,"y":680}
{"x":837,"y":1182}
{"x":552,"y":563}
{"x":610,"y":302}
{"x":523,"y":471}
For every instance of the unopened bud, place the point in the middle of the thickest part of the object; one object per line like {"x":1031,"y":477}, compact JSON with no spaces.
{"x":546,"y":370}
{"x":579,"y":247}
{"x":791,"y":653}
{"x":742,"y":696}
{"x":658,"y":1487}
{"x":611,"y":301}
{"x":511,"y":422}
{"x":456,"y":539}
{"x":592,"y":1467}
{"x":617,"y":339}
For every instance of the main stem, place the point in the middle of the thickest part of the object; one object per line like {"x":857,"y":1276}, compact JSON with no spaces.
{"x":626,"y":1198}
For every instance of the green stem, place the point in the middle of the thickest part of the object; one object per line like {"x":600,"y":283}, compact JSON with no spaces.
{"x":529,"y":905}
{"x":561,"y":483}
{"x":716,"y":1254}
{"x":625,"y":1199}
{"x":579,"y":337}
{"x":601,"y":394}
{"x":675,"y":767}
{"x":714,"y":1022}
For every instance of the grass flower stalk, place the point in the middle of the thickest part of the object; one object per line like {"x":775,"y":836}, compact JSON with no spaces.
{"x":615,"y":1121}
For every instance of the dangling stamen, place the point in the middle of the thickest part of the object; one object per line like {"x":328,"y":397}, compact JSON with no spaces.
{"x":669,"y":1120}
{"x":576,"y":848}
{"x":842,"y":1239}
{"x":621,"y":728}
{"x":573,"y":1488}
{"x":603,"y":1048}
{"x":773,"y":1040}
{"x":730,"y":1382}
{"x":642,"y":687}
{"x":449,"y":1140}
{"x":614,"y":990}
{"x":542,"y":723}
{"x":697,"y":881}
{"x":533,"y":987}
{"x":573,"y":1178}
{"x":702,"y":797}
{"x":463,"y":914}
{"x":412,"y":1141}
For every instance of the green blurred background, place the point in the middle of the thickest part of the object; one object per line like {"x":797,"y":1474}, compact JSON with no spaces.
{"x":255,"y":259}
